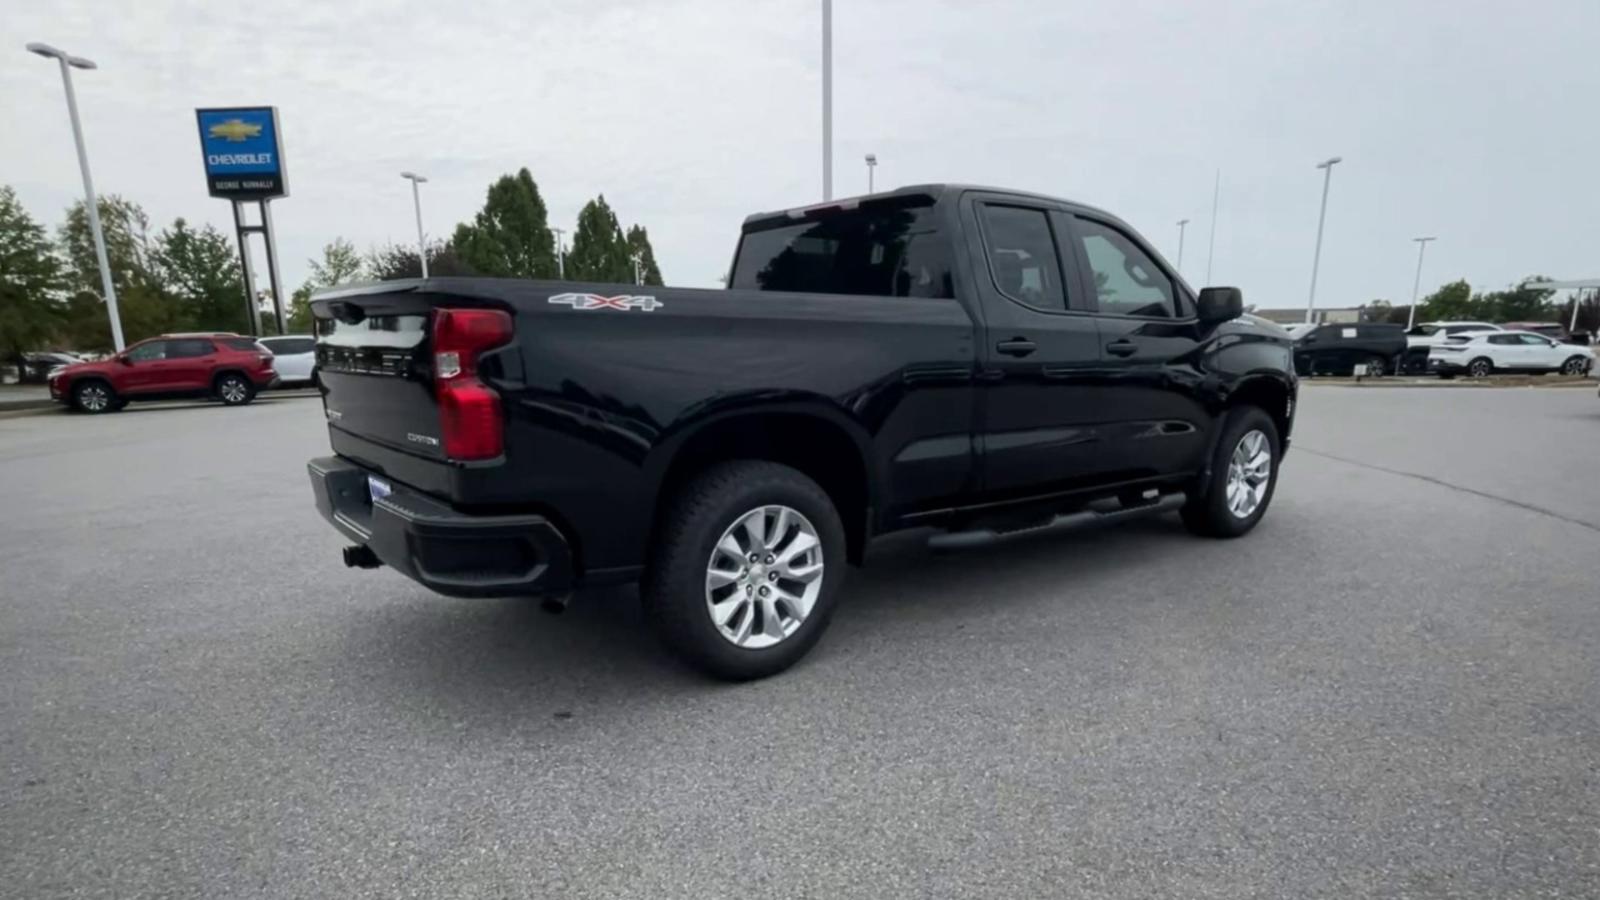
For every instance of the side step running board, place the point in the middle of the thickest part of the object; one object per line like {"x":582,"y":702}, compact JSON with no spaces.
{"x":1084,"y":518}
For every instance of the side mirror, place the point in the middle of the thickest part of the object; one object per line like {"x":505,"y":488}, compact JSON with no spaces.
{"x":1219,"y":304}
{"x":123,"y":358}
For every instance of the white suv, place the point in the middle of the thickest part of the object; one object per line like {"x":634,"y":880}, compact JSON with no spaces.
{"x":294,"y":357}
{"x":1483,"y":352}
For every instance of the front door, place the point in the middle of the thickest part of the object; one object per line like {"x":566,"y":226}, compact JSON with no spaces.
{"x":1040,"y":415}
{"x":146,"y":368}
{"x":1150,"y":340}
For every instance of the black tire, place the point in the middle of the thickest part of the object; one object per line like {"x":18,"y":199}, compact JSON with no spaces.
{"x":94,"y":397}
{"x":1482,"y":367}
{"x":674,"y":588}
{"x":1576,"y":365}
{"x":1206,"y":512}
{"x":1377,"y":367}
{"x":234,"y":389}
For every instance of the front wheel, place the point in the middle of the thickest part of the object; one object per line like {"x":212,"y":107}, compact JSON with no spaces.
{"x":1244,"y":473}
{"x":1577,"y":365}
{"x":95,"y":397}
{"x":745,"y":570}
{"x":1377,"y":367}
{"x":235,"y":390}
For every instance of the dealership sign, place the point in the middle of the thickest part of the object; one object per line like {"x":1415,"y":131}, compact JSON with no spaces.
{"x":243,"y":158}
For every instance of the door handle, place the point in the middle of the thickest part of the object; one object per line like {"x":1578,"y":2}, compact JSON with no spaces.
{"x":1017,"y":346}
{"x":1122,"y":348}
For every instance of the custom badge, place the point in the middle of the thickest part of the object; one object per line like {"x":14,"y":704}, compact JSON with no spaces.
{"x":596,"y":301}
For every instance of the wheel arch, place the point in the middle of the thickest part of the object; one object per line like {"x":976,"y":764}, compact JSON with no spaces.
{"x":811,"y":437}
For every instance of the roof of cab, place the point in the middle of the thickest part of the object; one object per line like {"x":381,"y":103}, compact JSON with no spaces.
{"x":932,"y":191}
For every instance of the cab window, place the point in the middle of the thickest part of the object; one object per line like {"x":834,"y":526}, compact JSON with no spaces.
{"x":1127,"y":282}
{"x":1022,"y":256}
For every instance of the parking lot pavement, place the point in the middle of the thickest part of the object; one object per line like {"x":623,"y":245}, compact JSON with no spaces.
{"x":1391,"y":688}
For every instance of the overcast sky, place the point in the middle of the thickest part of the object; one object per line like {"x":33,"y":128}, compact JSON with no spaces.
{"x":1472,"y":120}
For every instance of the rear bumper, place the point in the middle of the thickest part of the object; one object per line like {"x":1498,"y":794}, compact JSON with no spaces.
{"x":438,"y":547}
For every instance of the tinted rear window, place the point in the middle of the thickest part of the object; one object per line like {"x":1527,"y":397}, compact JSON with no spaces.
{"x":877,"y":250}
{"x":241,"y":343}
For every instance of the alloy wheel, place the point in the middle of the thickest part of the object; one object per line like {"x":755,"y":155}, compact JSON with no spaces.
{"x":1249,"y":472}
{"x":233,"y":390}
{"x":94,"y":397}
{"x":764,"y":576}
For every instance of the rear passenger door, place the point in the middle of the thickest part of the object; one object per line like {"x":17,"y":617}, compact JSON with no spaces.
{"x":1040,"y":408}
{"x":190,"y":362}
{"x":1150,"y":343}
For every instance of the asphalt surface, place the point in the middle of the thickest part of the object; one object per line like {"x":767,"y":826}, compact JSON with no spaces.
{"x":1391,"y":688}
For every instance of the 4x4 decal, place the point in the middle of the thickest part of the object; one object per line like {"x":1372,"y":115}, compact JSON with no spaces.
{"x":596,"y":301}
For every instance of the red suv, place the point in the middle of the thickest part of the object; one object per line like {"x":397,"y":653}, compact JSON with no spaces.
{"x":228,"y":367}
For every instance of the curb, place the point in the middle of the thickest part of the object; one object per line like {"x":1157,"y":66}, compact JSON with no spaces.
{"x":1462,"y":383}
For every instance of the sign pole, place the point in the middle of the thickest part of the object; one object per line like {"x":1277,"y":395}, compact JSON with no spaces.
{"x":252,"y":316}
{"x":270,"y":235}
{"x":243,"y":158}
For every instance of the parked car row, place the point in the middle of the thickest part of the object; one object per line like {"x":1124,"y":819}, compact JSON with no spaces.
{"x":227,"y":367}
{"x":1445,"y":348}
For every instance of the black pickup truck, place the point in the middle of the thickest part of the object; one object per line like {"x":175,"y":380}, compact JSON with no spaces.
{"x":985,"y":363}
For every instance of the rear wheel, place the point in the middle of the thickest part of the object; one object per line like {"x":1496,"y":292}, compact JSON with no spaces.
{"x":95,"y":397}
{"x":1244,"y":473}
{"x":1480,"y":367}
{"x":235,"y":390}
{"x":1377,"y":367}
{"x":744,"y":575}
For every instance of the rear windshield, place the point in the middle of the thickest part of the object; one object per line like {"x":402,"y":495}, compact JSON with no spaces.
{"x":1459,"y":338}
{"x":876,"y":250}
{"x":241,"y":343}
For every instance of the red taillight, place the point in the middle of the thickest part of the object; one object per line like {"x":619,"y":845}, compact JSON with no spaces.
{"x":469,"y":410}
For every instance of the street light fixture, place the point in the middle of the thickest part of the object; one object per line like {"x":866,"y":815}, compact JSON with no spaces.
{"x":1422,"y":246}
{"x":416,"y":203}
{"x":1316,"y":256}
{"x":91,"y":205}
{"x":561,"y":253}
{"x":1181,"y":224}
{"x":872,"y":163}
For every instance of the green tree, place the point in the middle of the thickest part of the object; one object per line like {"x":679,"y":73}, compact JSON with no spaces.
{"x":394,"y":261}
{"x":144,"y":307}
{"x":639,"y":245}
{"x":199,"y":270}
{"x":340,"y":263}
{"x":32,"y":285}
{"x":1376,"y":311}
{"x":1452,"y":301}
{"x":510,"y":237}
{"x":1523,"y":303}
{"x":600,"y":252}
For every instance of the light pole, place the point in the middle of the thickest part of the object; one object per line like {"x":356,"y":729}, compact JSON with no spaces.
{"x":1316,"y":256}
{"x":827,"y":99}
{"x":416,"y":203}
{"x":1416,"y":284}
{"x":90,"y":204}
{"x":1181,"y":224}
{"x":561,"y":254}
{"x":872,"y":163}
{"x":1216,"y":199}
{"x":636,"y":275}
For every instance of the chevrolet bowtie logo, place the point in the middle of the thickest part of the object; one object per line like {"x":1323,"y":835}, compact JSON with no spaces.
{"x":235,"y":130}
